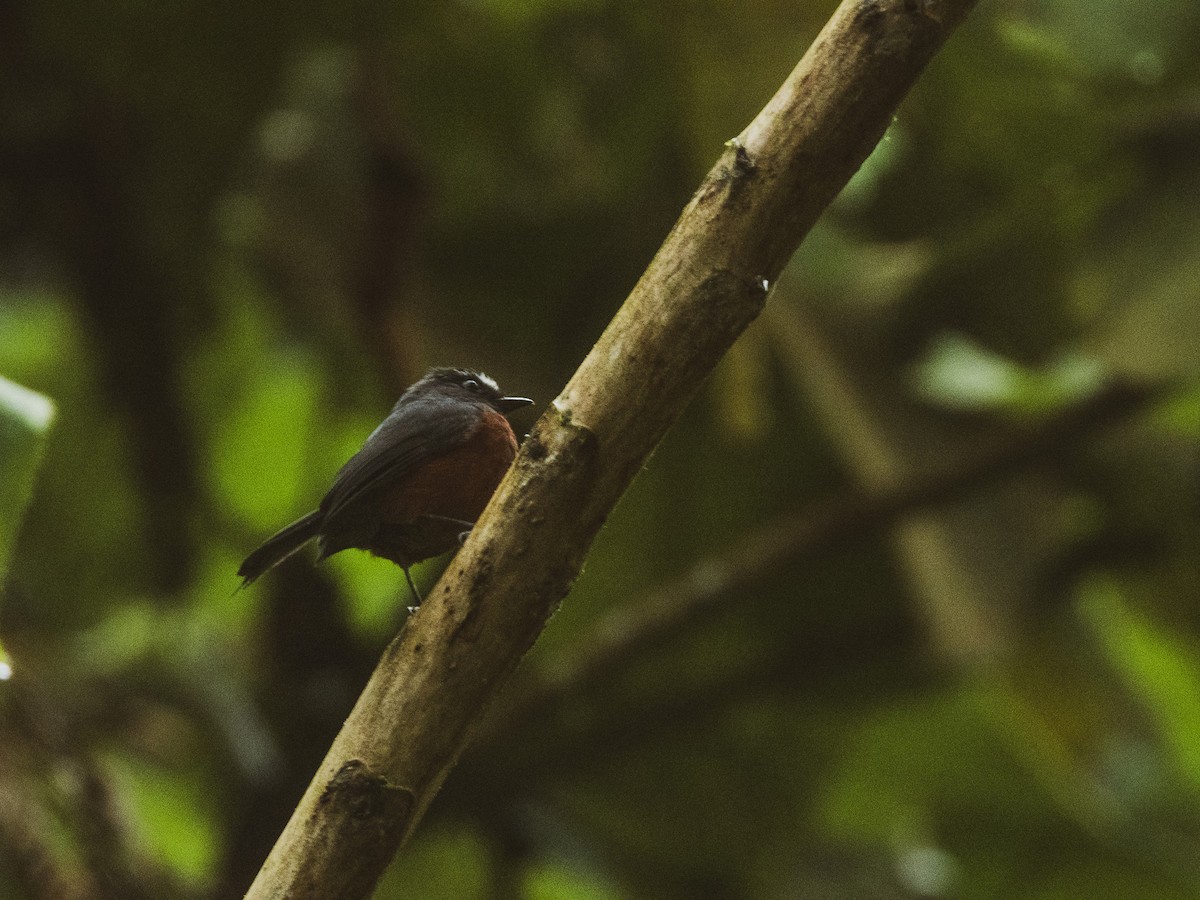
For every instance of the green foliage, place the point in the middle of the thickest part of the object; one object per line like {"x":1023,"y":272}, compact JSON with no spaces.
{"x":231,"y":235}
{"x":25,"y":418}
{"x":260,"y":452}
{"x":173,"y":812}
{"x":961,"y":375}
{"x":1182,"y":413}
{"x":444,"y":864}
{"x":1161,"y":670}
{"x":563,"y":883}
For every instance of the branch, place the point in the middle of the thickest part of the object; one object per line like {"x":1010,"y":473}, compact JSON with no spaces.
{"x":707,"y":283}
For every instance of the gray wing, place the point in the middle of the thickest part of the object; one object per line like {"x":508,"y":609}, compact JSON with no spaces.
{"x":410,"y":436}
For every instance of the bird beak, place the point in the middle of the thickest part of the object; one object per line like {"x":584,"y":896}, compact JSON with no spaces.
{"x":508,"y":404}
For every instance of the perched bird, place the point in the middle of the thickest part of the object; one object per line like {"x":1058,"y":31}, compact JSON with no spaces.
{"x":419,"y":482}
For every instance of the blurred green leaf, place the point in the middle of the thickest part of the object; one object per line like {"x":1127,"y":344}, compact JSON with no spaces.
{"x":34,"y":330}
{"x":1181,"y":413}
{"x":262,"y":448}
{"x":441,"y":864}
{"x":1159,"y":667}
{"x":1115,"y":37}
{"x":960,"y":374}
{"x":25,"y":418}
{"x":1041,"y":46}
{"x":174,"y":813}
{"x":559,"y":882}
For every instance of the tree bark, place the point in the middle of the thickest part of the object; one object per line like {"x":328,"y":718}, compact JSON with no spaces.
{"x":709,"y":280}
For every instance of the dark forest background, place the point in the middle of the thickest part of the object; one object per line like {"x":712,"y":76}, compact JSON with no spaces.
{"x":231,"y":233}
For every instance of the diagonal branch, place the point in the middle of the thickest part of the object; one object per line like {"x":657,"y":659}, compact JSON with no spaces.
{"x":706,"y":284}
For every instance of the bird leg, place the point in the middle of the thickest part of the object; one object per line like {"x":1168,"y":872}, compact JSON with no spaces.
{"x":412,"y":587}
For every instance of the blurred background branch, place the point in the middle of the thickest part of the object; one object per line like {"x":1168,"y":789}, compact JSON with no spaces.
{"x":634,"y":631}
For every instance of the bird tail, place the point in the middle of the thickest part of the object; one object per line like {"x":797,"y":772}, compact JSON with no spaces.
{"x":280,"y":546}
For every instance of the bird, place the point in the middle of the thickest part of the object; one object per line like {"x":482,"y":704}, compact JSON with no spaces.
{"x":419,"y":482}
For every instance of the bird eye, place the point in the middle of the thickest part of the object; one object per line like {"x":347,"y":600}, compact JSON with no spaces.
{"x":471,"y":384}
